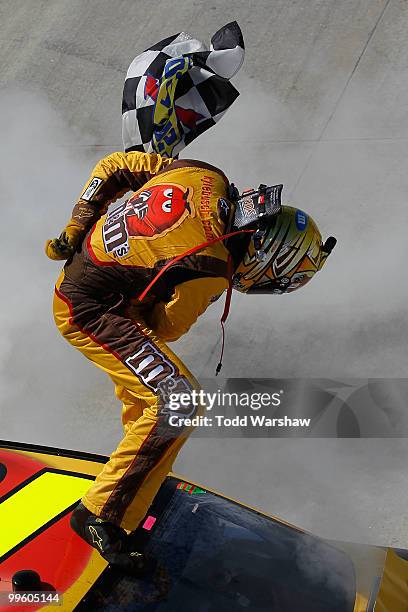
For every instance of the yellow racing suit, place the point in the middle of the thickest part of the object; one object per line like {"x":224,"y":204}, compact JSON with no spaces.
{"x":173,"y":208}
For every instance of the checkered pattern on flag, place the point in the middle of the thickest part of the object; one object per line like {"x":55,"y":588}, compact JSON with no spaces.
{"x":178,"y":88}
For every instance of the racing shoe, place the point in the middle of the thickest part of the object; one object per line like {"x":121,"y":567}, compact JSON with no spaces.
{"x":111,"y":541}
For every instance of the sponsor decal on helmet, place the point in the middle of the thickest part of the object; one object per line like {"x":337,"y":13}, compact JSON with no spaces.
{"x":301,"y":220}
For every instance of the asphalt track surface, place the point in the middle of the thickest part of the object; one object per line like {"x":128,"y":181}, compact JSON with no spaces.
{"x":323,"y":109}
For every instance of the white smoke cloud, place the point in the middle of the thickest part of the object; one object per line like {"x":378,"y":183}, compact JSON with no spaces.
{"x":45,"y":385}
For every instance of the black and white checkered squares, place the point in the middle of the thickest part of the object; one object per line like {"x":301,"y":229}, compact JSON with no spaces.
{"x":177,"y":89}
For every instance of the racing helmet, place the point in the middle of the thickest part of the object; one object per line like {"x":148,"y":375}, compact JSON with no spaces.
{"x":285,"y":249}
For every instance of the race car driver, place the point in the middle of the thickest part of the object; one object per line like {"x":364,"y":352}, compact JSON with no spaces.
{"x":169,"y":245}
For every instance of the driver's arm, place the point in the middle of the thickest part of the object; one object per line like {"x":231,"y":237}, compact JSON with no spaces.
{"x":111,"y":178}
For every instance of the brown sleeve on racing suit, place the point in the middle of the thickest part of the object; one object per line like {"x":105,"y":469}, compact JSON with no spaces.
{"x":112,"y":177}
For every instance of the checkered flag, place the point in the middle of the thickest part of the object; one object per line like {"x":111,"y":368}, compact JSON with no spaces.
{"x":178,"y":89}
